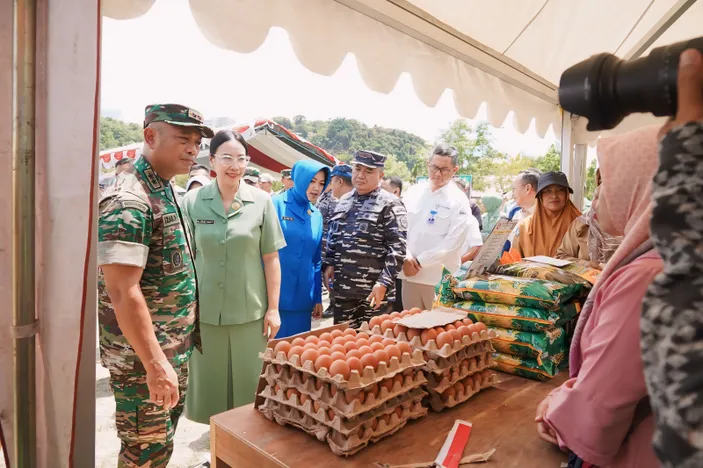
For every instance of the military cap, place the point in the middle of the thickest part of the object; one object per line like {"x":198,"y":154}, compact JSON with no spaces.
{"x":252,"y":171}
{"x":369,"y":159}
{"x":285,"y":173}
{"x":342,"y":170}
{"x":176,"y":114}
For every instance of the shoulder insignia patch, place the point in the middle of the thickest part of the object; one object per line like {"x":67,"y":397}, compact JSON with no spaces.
{"x":154,"y":181}
{"x":143,"y":207}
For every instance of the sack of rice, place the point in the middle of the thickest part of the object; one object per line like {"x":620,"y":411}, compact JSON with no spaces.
{"x":444,"y":291}
{"x":529,"y":368}
{"x":527,"y":269}
{"x":535,"y":345}
{"x":524,"y":292}
{"x":527,"y":319}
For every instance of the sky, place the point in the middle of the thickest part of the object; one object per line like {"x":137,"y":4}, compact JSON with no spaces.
{"x":144,"y":62}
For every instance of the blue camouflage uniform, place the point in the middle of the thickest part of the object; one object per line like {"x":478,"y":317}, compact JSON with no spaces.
{"x":366,"y":245}
{"x":327,"y":201}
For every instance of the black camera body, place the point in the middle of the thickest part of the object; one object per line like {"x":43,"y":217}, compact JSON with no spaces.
{"x":606,"y":89}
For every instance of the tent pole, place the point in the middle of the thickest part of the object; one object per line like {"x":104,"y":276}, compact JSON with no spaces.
{"x":23,"y":248}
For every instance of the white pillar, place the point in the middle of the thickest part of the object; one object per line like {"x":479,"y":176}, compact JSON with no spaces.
{"x":578,"y":177}
{"x":573,"y":157}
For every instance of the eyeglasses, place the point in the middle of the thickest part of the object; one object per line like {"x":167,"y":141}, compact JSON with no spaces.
{"x":228,"y":161}
{"x":445,"y":171}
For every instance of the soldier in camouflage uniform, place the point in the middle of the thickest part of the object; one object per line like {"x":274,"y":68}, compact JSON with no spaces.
{"x":147,"y":293}
{"x":286,"y":180}
{"x":365,"y":245}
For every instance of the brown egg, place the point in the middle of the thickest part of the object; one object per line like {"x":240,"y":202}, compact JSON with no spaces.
{"x":338,"y":348}
{"x":393,"y":351}
{"x":276,"y":389}
{"x":278,"y":368}
{"x":374,"y":424}
{"x":309,"y":346}
{"x":467,"y":321}
{"x":295,"y":351}
{"x":385,"y":317}
{"x":448,"y":393}
{"x":375,"y":339}
{"x":413,"y":332}
{"x":415,"y":310}
{"x":360,"y":397}
{"x":487,"y":375}
{"x":324,"y":344}
{"x":340,"y":340}
{"x":303,"y":399}
{"x":312,"y":339}
{"x":480,"y":326}
{"x":350,"y":332}
{"x":355,"y":353}
{"x":395,"y":315}
{"x":460,"y":390}
{"x":381,"y":355}
{"x":333,"y":390}
{"x":350,"y":346}
{"x":444,"y":338}
{"x":354,"y":363}
{"x":386,"y":418}
{"x":336,"y":333}
{"x":398,"y":379}
{"x":464,"y":366}
{"x":337,"y":356}
{"x":456,"y":335}
{"x":369,"y":360}
{"x":340,"y":367}
{"x":454,"y":374}
{"x":324,"y":351}
{"x":404,"y":347}
{"x":398,"y":411}
{"x":298,"y":342}
{"x":465,"y":331}
{"x":290,"y":392}
{"x":363,"y":342}
{"x":316,"y":406}
{"x":439,"y":330}
{"x":372,"y":390}
{"x":377,"y":346}
{"x":365,"y":350}
{"x":360,"y":432}
{"x":449,"y":326}
{"x":318,"y":382}
{"x":362,"y":335}
{"x":428,"y":335}
{"x":477,"y":380}
{"x":458,"y":324}
{"x":304,"y":377}
{"x":375,"y":321}
{"x":387,"y":341}
{"x":282,"y":347}
{"x":326,"y":336}
{"x":330,"y":414}
{"x":309,"y":355}
{"x":472,"y":330}
{"x":398,"y":329}
{"x":323,"y":362}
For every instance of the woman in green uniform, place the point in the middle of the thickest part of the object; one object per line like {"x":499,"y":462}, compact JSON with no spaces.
{"x":237,"y":237}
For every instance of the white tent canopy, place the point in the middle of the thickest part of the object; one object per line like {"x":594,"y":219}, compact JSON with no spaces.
{"x":509,"y":53}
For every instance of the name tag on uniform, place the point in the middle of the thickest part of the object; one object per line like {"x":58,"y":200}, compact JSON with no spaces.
{"x":205,"y":221}
{"x":288,"y":218}
{"x":170,"y":219}
{"x":431,"y":219}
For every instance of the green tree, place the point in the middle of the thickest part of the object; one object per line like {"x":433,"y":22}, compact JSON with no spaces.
{"x":549,"y":162}
{"x":591,"y":180}
{"x":115,"y":133}
{"x":506,"y":170}
{"x":397,"y":168}
{"x":284,"y":121}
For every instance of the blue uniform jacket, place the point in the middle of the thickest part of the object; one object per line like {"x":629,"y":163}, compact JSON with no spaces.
{"x":301,"y":221}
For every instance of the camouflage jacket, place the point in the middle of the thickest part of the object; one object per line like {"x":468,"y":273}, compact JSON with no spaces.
{"x":326,"y":204}
{"x":366,"y":243}
{"x":140,"y":224}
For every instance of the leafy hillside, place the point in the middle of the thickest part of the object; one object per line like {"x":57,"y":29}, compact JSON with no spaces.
{"x":115,"y":133}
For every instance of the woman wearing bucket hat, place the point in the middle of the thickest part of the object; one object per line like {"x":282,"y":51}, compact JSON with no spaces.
{"x":542,"y":232}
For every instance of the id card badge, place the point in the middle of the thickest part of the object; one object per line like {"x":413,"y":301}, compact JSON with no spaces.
{"x":431,"y":219}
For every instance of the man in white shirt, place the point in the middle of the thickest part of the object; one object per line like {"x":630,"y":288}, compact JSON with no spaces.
{"x":524,"y":194}
{"x":440,"y":227}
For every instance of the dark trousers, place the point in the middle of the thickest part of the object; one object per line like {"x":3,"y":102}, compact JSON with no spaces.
{"x":398,"y":304}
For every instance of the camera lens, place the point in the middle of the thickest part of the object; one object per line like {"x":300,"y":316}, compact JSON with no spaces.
{"x":606,"y":89}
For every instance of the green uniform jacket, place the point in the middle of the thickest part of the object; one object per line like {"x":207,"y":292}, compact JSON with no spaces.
{"x":140,"y":225}
{"x":228,"y":250}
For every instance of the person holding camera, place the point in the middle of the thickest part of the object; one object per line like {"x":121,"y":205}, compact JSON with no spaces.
{"x":672,"y":322}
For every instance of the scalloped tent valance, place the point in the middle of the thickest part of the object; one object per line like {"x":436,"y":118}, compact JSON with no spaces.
{"x":509,"y":54}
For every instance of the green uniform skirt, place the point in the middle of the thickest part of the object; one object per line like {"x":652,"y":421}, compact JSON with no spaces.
{"x":226,"y":374}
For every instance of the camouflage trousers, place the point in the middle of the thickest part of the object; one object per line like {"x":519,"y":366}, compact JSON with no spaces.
{"x":355,"y":311}
{"x":145,"y":429}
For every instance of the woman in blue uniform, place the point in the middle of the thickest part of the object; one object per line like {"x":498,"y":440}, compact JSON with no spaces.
{"x":301,"y":221}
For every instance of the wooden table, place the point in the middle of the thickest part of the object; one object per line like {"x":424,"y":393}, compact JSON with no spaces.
{"x":502,"y":417}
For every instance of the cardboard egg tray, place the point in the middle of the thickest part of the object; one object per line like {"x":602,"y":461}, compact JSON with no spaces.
{"x":438,"y":365}
{"x":438,"y":404}
{"x":431,"y":346}
{"x":343,"y":424}
{"x":344,"y":444}
{"x":288,"y":377}
{"x":368,"y":377}
{"x":440,"y":382}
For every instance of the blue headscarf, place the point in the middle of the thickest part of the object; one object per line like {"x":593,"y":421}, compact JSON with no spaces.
{"x":302,"y":174}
